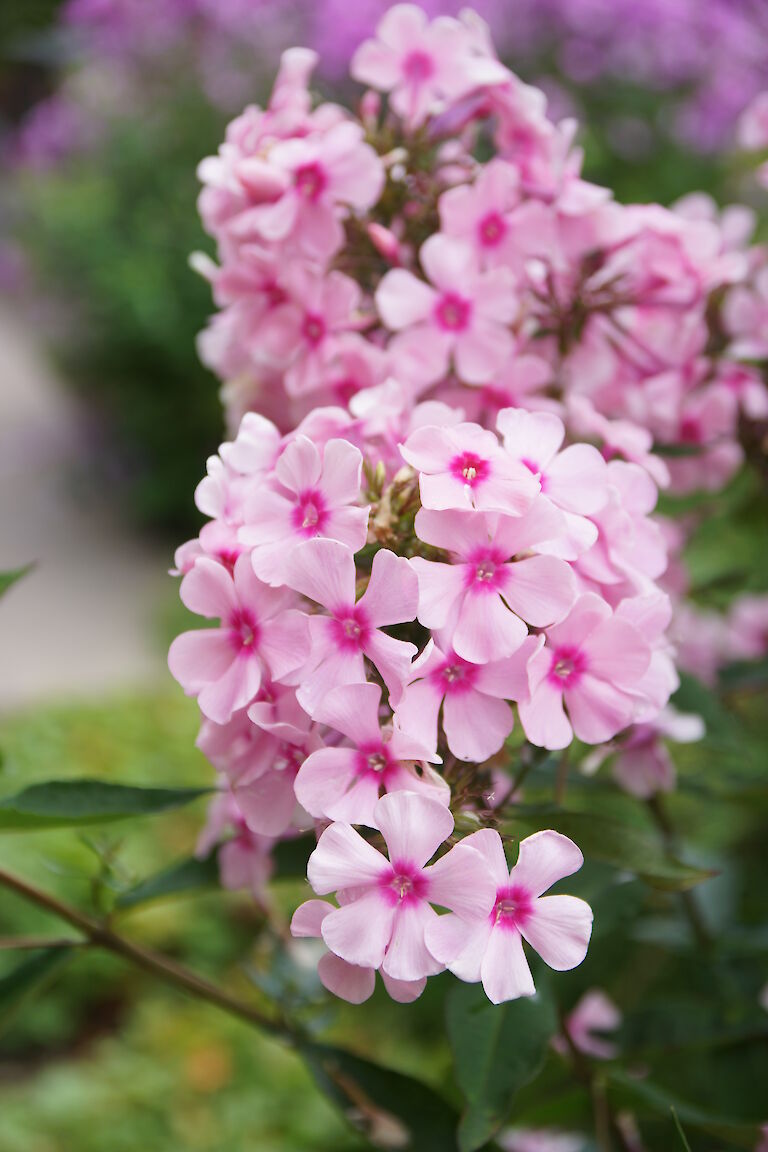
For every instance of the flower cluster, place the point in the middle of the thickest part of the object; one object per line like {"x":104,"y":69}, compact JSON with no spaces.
{"x":445,"y":381}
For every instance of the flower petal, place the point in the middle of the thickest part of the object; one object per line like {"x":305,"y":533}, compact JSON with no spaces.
{"x":559,"y":928}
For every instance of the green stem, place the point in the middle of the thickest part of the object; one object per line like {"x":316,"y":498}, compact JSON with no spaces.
{"x":101,"y":936}
{"x":698,"y":924}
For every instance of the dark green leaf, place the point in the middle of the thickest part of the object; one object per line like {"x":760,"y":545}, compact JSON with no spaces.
{"x":747,"y":675}
{"x":645,"y":1098}
{"x":392,"y":1110}
{"x":610,"y":841}
{"x":62,"y":802}
{"x":7,"y":579}
{"x":186,"y":876}
{"x":31,"y":976}
{"x":497,"y":1048}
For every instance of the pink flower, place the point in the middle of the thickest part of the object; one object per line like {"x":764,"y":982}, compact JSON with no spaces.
{"x":643,"y":766}
{"x":476,"y":719}
{"x":485,"y":597}
{"x":541,"y":1140}
{"x":260,"y":633}
{"x":752,"y":129}
{"x":463,"y":467}
{"x":319,"y":176}
{"x":312,"y":498}
{"x":348,"y":981}
{"x":462,"y":313}
{"x":489,"y":947}
{"x":421,"y":64}
{"x":383,"y":926}
{"x":594,"y":1013}
{"x":342,"y":783}
{"x":574,"y":479}
{"x":481,"y":213}
{"x":324,"y":571}
{"x":591,"y":663}
{"x":302,"y":335}
{"x":244,"y":860}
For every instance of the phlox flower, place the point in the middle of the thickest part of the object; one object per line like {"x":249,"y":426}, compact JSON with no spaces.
{"x":481,"y":213}
{"x":261,"y":633}
{"x":383,"y":926}
{"x":594,"y":1014}
{"x":590,"y":665}
{"x":348,"y":981}
{"x":476,"y":718}
{"x":462,"y":313}
{"x":313,"y":496}
{"x":244,"y":858}
{"x":421,"y":64}
{"x":573,"y":478}
{"x":344,"y":783}
{"x":493,"y":586}
{"x":642,"y":764}
{"x":540,"y":1140}
{"x":489,"y":946}
{"x":319,"y":176}
{"x":302,"y":336}
{"x":463,"y":466}
{"x":324,"y":571}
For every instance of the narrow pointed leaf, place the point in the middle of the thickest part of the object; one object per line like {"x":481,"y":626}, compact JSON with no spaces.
{"x":59,"y":803}
{"x":9,"y":578}
{"x":190,"y":875}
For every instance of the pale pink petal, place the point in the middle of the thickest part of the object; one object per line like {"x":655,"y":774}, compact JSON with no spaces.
{"x":393,"y":659}
{"x":543,"y":716}
{"x":343,"y":859}
{"x":463,"y":882}
{"x":234,"y":690}
{"x":459,"y":944}
{"x":196,"y":658}
{"x":284,"y":642}
{"x":588,"y":611}
{"x":488,"y":844}
{"x":416,"y":713}
{"x":508,"y":678}
{"x":456,"y":531}
{"x":353,"y":710}
{"x":403,"y":300}
{"x":540,"y":589}
{"x":299,"y":465}
{"x":413,"y":827}
{"x":308,"y":917}
{"x":440,"y":587}
{"x":504,"y":969}
{"x":342,"y":468}
{"x":617,"y":652}
{"x":577,"y":480}
{"x":559,"y":928}
{"x":359,"y":932}
{"x":324,"y":571}
{"x":349,"y":526}
{"x":404,"y":991}
{"x":268,"y":802}
{"x":449,"y":263}
{"x":531,"y":436}
{"x":476,"y":726}
{"x":207,"y":590}
{"x":407,"y":955}
{"x":392,"y":595}
{"x":375,"y":64}
{"x":347,"y":981}
{"x":428,"y":449}
{"x":268,"y":519}
{"x":323,"y":778}
{"x":486,"y":629}
{"x":543,"y":859}
{"x":597,"y":710}
{"x":482,"y":352}
{"x":331,"y":671}
{"x":357,"y":805}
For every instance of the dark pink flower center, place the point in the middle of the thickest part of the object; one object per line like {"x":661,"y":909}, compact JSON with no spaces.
{"x":404,"y":883}
{"x":492,"y":229}
{"x":512,"y":908}
{"x":275,"y":294}
{"x":469,"y":468}
{"x":568,"y":664}
{"x":455,"y":677}
{"x":313,"y":328}
{"x":244,"y":630}
{"x":351,"y":629}
{"x":485,"y":571}
{"x":310,"y":181}
{"x":453,"y":312}
{"x":309,"y":513}
{"x":418,"y":66}
{"x":374,"y":760}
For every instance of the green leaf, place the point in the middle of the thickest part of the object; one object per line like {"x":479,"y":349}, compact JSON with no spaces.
{"x":20,"y":985}
{"x":610,"y":841}
{"x":290,"y":857}
{"x":391,"y":1109}
{"x":680,"y":1132}
{"x":9,"y":578}
{"x":497,"y":1048}
{"x":188,"y":875}
{"x":747,"y":675}
{"x":646,"y":1098}
{"x":63,"y":802}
